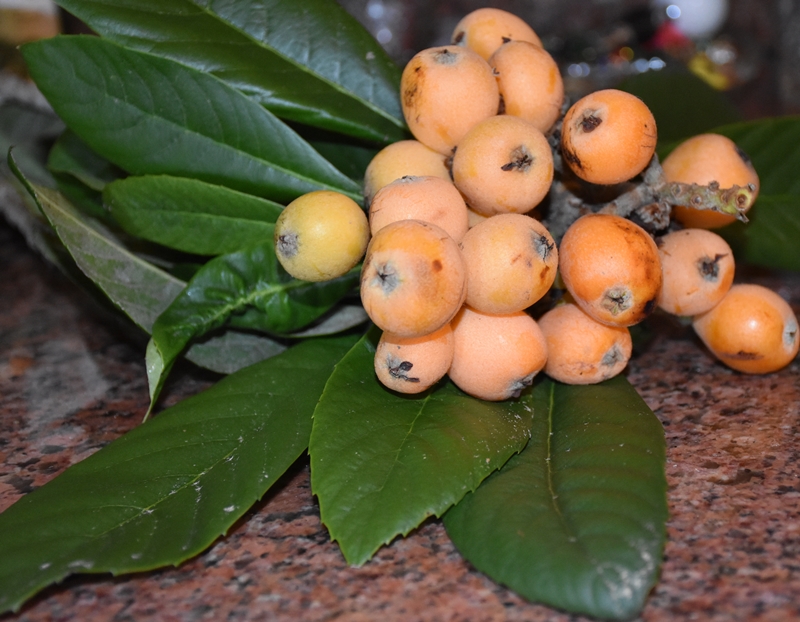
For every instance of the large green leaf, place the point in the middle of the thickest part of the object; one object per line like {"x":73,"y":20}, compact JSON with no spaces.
{"x":577,"y":520}
{"x":150,"y":115}
{"x":381,"y":463}
{"x":168,"y":489}
{"x":138,"y":288}
{"x":307,"y":61}
{"x":190,"y":215}
{"x":247,"y":289}
{"x":70,"y":155}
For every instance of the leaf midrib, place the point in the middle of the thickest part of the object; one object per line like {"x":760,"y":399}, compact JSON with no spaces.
{"x":182,"y":129}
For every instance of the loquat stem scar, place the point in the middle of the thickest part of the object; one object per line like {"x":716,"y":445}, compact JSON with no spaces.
{"x":287,"y":244}
{"x":386,"y":278}
{"x":399,"y":369}
{"x":708,"y":267}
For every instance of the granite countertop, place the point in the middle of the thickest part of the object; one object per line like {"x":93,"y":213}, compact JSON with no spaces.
{"x":70,"y":383}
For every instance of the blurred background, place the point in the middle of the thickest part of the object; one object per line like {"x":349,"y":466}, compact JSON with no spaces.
{"x":747,"y":49}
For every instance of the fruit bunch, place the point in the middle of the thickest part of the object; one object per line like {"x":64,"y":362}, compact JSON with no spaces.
{"x":457,"y":252}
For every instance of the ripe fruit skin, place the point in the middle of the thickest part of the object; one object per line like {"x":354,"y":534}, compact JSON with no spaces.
{"x":496,"y":356}
{"x":752,"y":330}
{"x":582,"y":350}
{"x":698,"y":269}
{"x":700,"y":160}
{"x":503,"y":165}
{"x":405,"y":157}
{"x":444,"y":91}
{"x":413,"y":281}
{"x":511,"y":262}
{"x":530,"y":83}
{"x":608,"y":137}
{"x":486,"y":29}
{"x":431,"y":199}
{"x":321,"y":235}
{"x":412,"y":365}
{"x":610,"y":265}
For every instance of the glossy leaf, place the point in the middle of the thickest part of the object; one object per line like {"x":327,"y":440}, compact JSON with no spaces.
{"x":247,"y":289}
{"x":169,"y":488}
{"x":577,"y":520}
{"x":307,"y":61}
{"x":150,"y":115}
{"x":138,"y":288}
{"x":190,"y":215}
{"x":381,"y":463}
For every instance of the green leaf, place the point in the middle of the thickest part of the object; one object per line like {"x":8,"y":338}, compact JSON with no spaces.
{"x":168,"y":489}
{"x":770,"y":237}
{"x":307,"y":61}
{"x":71,"y":156}
{"x":381,"y":463}
{"x":190,"y":215}
{"x":150,"y":115}
{"x":773,"y":145}
{"x":682,"y":103}
{"x":577,"y":520}
{"x":247,"y":289}
{"x":138,"y":288}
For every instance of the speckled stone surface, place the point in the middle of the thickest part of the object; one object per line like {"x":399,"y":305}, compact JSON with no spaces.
{"x":70,"y":383}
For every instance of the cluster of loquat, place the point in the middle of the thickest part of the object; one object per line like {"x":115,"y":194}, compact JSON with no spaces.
{"x":455,"y":257}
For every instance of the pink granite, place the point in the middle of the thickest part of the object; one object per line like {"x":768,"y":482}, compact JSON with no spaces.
{"x":70,"y":383}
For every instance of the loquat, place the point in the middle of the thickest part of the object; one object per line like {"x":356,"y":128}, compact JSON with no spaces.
{"x":752,"y":330}
{"x":431,"y":199}
{"x":486,"y":29}
{"x":698,"y":269}
{"x":399,"y":159}
{"x":496,"y":356}
{"x":530,"y":83}
{"x":580,"y":349}
{"x":511,"y":262}
{"x":611,"y":267}
{"x":444,"y":91}
{"x":321,"y":235}
{"x":503,"y":165}
{"x":703,"y":159}
{"x":608,"y":137}
{"x":413,"y":364}
{"x":413,"y":280}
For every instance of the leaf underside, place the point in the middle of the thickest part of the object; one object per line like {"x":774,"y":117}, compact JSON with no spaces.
{"x":169,"y":488}
{"x":381,"y":463}
{"x":577,"y":520}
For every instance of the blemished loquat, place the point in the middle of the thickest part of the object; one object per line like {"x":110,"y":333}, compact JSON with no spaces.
{"x":444,"y":91}
{"x":486,"y":29}
{"x":413,"y":280}
{"x":427,"y":198}
{"x":503,"y":165}
{"x":608,"y":137}
{"x":400,"y":159}
{"x":496,"y":356}
{"x":698,"y":269}
{"x":700,"y":160}
{"x":321,"y":235}
{"x":530,"y":83}
{"x":414,"y":364}
{"x":511,"y":262}
{"x":752,"y":330}
{"x":581,"y":350}
{"x":611,"y":267}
